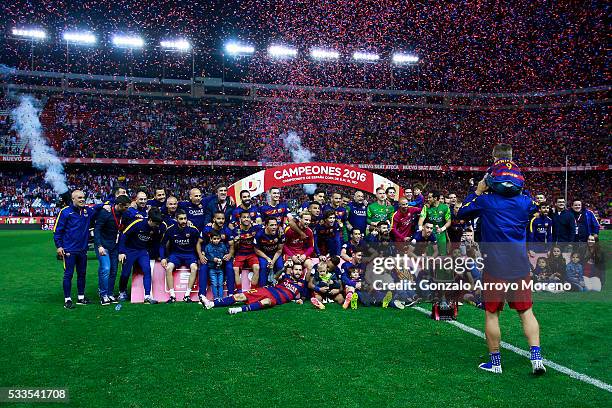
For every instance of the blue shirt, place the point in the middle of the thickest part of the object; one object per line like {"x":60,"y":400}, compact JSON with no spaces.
{"x":357,"y":216}
{"x":341,"y":213}
{"x":133,"y":214}
{"x":269,"y":244}
{"x":278,"y":211}
{"x":71,"y":230}
{"x":139,"y":235}
{"x":215,"y":251}
{"x":208,"y":230}
{"x":180,"y":240}
{"x":168,"y":221}
{"x":195,"y":213}
{"x":540,"y":229}
{"x":503,"y":231}
{"x":253,"y":212}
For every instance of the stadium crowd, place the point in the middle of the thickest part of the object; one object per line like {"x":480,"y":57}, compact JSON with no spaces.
{"x":25,"y":193}
{"x":105,"y":126}
{"x":523,"y":46}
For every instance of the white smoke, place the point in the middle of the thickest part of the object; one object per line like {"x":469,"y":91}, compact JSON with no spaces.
{"x":5,"y":70}
{"x":299,"y":154}
{"x":28,"y":128}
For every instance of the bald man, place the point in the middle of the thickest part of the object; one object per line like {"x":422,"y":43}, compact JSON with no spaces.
{"x":140,"y":210}
{"x":71,"y":235}
{"x":194,"y":208}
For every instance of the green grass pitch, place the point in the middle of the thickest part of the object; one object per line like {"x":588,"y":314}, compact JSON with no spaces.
{"x":292,"y":355}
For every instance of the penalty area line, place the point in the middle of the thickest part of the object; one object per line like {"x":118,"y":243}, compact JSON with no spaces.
{"x":558,"y":367}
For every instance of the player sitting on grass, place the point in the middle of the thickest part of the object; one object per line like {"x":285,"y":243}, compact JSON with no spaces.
{"x":352,"y":280}
{"x":290,"y":287}
{"x":326,"y":286}
{"x":179,"y":243}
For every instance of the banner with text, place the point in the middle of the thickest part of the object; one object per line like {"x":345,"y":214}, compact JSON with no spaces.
{"x":311,"y":173}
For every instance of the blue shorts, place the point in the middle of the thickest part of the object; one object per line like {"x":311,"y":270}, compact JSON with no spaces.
{"x":182,"y":259}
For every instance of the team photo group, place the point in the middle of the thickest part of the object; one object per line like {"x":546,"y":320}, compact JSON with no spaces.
{"x":319,"y":251}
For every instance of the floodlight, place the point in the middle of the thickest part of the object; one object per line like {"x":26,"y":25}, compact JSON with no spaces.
{"x":179,"y":45}
{"x":399,"y":58}
{"x":80,"y":38}
{"x":128,"y":42}
{"x":281,"y":51}
{"x":34,"y":34}
{"x":365,"y":56}
{"x":234,"y":48}
{"x":322,"y":54}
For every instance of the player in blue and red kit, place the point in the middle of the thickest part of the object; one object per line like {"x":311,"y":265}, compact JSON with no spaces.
{"x":244,"y":248}
{"x":269,"y":243}
{"x":178,"y":247}
{"x":327,"y":236}
{"x":133,"y":245}
{"x":503,"y":222}
{"x":349,"y":247}
{"x":274,"y":207}
{"x":290,"y":287}
{"x":337,"y":207}
{"x":246,"y":205}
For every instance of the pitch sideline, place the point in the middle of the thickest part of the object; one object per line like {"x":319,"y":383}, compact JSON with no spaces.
{"x":558,"y":367}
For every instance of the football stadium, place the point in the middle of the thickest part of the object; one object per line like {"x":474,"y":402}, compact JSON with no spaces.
{"x":305,"y":203}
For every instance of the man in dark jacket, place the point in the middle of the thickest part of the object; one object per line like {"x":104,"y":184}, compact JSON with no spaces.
{"x":106,"y":233}
{"x":564,"y":225}
{"x":220,"y":203}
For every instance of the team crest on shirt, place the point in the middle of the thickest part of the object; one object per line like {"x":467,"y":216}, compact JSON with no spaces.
{"x":187,"y":235}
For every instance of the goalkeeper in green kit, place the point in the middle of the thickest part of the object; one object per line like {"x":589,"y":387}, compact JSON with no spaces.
{"x":438,"y":213}
{"x":379,"y":210}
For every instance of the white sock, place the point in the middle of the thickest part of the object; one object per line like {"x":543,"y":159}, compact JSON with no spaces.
{"x":147,"y":297}
{"x":67,"y":299}
{"x":81,"y":297}
{"x":188,"y":292}
{"x":172,"y":293}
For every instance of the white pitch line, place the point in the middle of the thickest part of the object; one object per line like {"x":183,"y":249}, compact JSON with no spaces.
{"x":562,"y":369}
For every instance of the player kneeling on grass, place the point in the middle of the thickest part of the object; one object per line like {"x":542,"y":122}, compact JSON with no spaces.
{"x":291,"y":287}
{"x":326,"y":286}
{"x":179,"y":241}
